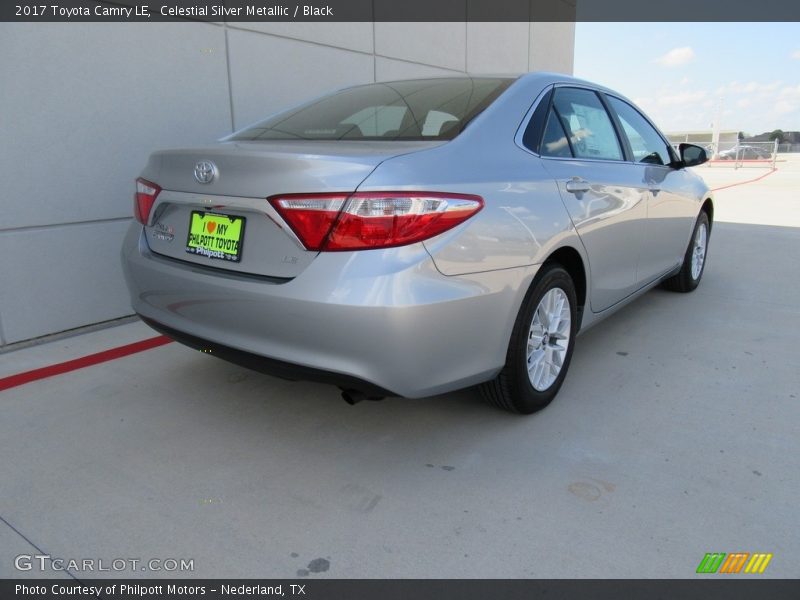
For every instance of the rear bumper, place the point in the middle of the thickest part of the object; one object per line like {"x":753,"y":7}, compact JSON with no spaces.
{"x":385,"y":322}
{"x":270,"y":366}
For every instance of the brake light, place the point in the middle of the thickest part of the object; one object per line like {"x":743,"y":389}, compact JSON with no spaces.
{"x":146,"y":194}
{"x":368,"y":220}
{"x":310,"y":215}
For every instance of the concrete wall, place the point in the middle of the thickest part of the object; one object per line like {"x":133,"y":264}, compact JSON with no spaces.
{"x":84,"y":104}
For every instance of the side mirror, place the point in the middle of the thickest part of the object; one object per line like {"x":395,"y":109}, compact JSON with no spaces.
{"x":692,"y":155}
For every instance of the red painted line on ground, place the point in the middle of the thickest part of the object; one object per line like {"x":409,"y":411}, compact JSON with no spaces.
{"x":82,"y":362}
{"x":724,"y":187}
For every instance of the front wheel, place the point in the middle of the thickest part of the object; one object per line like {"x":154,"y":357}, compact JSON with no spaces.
{"x":540,"y":348}
{"x":694,"y":261}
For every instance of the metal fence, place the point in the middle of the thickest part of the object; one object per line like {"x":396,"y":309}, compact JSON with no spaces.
{"x":788,"y":148}
{"x":749,"y":154}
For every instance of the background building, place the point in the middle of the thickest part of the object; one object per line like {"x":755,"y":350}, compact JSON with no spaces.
{"x":727,"y":139}
{"x":702,"y":137}
{"x":84,"y":105}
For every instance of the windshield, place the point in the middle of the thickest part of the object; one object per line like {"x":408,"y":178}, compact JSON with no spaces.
{"x":426,"y":109}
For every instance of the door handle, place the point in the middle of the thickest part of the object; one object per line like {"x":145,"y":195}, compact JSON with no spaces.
{"x":576,"y":185}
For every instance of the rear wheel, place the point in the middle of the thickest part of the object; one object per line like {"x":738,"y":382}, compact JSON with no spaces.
{"x":694,"y":261}
{"x":540,"y":348}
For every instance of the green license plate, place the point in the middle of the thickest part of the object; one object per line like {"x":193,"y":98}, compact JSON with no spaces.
{"x":215,"y":236}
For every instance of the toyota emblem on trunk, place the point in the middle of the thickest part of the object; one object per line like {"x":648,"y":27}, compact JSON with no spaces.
{"x":205,"y":171}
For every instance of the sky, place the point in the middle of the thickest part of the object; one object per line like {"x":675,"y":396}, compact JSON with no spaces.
{"x":684,"y":74}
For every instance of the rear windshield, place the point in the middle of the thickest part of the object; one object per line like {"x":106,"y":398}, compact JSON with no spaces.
{"x":428,"y":109}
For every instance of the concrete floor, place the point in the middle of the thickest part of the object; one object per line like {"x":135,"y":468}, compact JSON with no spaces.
{"x":675,"y":434}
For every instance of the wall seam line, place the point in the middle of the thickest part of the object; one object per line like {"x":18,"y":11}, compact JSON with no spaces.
{"x":416,"y":62}
{"x":530,"y":26}
{"x":228,"y":73}
{"x":374,"y":48}
{"x":295,"y":39}
{"x":374,"y":52}
{"x":466,"y":38}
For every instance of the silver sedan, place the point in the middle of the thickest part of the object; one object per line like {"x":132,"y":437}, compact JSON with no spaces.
{"x":415,"y":237}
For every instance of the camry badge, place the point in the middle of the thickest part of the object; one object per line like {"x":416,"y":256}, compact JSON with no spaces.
{"x":165,"y":233}
{"x":205,"y":171}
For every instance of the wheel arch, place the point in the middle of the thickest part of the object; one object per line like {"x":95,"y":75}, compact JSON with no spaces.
{"x":708,"y":208}
{"x":572,"y":262}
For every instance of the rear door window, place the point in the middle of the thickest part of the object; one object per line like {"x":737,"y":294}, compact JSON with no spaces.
{"x":554,"y":141}
{"x":587,"y":126}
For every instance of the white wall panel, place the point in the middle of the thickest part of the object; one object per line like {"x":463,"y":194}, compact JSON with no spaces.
{"x":497,"y":48}
{"x":437,"y":44}
{"x":552,"y":47}
{"x":389,"y":69}
{"x":351,"y":36}
{"x":83,"y":104}
{"x":60,"y":278}
{"x":270,"y":73}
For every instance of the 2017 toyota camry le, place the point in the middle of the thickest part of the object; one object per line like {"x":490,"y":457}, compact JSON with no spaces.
{"x":415,"y":237}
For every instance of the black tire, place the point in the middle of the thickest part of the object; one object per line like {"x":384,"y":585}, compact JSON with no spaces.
{"x":512,"y":389}
{"x":684,"y":281}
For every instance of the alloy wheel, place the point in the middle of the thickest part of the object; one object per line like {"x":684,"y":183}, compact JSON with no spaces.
{"x":699,"y":250}
{"x":548,"y":339}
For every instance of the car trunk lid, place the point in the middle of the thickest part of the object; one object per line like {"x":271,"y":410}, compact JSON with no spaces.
{"x":242,"y":175}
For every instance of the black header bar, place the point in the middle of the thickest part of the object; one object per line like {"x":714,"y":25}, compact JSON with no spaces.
{"x":401,"y":10}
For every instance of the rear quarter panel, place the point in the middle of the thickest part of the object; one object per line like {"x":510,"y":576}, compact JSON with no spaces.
{"x":523,"y":219}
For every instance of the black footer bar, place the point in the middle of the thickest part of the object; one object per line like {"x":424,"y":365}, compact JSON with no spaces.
{"x":731,"y":588}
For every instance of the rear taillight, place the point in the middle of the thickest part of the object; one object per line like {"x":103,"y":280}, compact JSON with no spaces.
{"x":310,"y":216}
{"x":146,"y":194}
{"x":365,"y":220}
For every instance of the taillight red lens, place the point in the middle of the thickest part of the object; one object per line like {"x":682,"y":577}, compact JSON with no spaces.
{"x":146,"y":194}
{"x":310,"y":215}
{"x":336,"y":222}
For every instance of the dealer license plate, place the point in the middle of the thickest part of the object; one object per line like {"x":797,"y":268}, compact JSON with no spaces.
{"x":215,"y":236}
